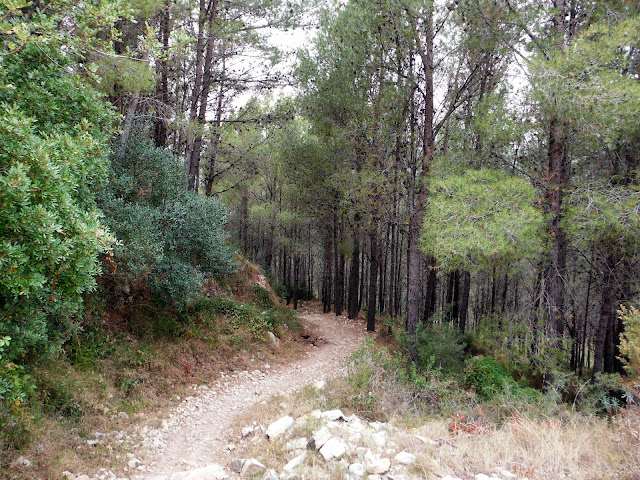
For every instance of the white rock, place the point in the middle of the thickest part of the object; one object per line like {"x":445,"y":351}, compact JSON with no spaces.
{"x":405,"y":458}
{"x":481,"y":476}
{"x":134,"y":463}
{"x":320,"y":385}
{"x":246,"y":431}
{"x":319,"y":438}
{"x":123,"y":415}
{"x":376,"y":465}
{"x":252,"y":467}
{"x":506,"y":473}
{"x":380,"y":439}
{"x":333,"y":448}
{"x":296,"y":444}
{"x":279,"y":427}
{"x":274,"y":340}
{"x":68,"y":475}
{"x":332,"y":415}
{"x":361,"y":452}
{"x":294,"y":463}
{"x":210,"y":472}
{"x":357,"y":470}
{"x":24,"y":461}
{"x":270,"y":475}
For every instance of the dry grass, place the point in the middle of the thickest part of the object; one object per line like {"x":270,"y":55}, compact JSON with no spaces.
{"x":571,"y":445}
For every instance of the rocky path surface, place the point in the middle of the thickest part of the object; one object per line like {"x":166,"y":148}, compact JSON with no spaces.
{"x":198,"y":432}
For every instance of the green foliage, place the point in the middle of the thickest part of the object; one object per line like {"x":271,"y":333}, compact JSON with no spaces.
{"x":491,"y":382}
{"x":169,"y":240}
{"x":480,"y":218}
{"x":255,"y":319}
{"x":630,"y":341}
{"x":53,"y":136}
{"x":241,"y":315}
{"x":16,"y":386}
{"x":440,"y":346}
{"x":381,"y":381}
{"x":486,"y":376}
{"x":89,"y":345}
{"x":604,"y":216}
{"x":262,"y":297}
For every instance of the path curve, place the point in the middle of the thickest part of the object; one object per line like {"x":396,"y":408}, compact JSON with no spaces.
{"x":198,"y":431}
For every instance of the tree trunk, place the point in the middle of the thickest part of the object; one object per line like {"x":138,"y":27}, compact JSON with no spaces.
{"x":127,"y":125}
{"x":419,"y":194}
{"x":327,"y":274}
{"x":373,"y":279}
{"x":201,"y":100}
{"x":354,"y":274}
{"x":606,"y":316}
{"x":465,"y":290}
{"x":162,"y":72}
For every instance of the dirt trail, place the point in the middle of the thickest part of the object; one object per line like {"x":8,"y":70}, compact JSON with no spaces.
{"x":199,"y":430}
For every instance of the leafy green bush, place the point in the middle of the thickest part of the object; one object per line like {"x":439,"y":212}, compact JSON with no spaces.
{"x":53,"y":139}
{"x":169,"y":240}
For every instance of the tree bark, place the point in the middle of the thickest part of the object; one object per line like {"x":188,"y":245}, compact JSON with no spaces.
{"x":354,"y":274}
{"x":465,"y":290}
{"x":606,"y":316}
{"x":200,"y":99}
{"x":373,"y":279}
{"x":419,"y":194}
{"x":162,"y":87}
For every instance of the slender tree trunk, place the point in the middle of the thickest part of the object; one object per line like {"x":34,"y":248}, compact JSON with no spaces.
{"x":354,"y":274}
{"x":586,"y":320}
{"x":606,"y":316}
{"x":430,"y":298}
{"x":162,"y":71}
{"x":373,"y":278}
{"x":327,"y":289}
{"x":419,"y":199}
{"x":127,"y":125}
{"x":465,"y":290}
{"x":201,"y":100}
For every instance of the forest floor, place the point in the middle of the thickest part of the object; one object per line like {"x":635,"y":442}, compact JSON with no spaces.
{"x":202,"y":429}
{"x":223,"y":417}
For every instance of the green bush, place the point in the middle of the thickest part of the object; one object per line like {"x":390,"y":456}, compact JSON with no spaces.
{"x":492,"y":382}
{"x":53,"y":140}
{"x":169,"y":240}
{"x":381,"y":382}
{"x":261,"y":296}
{"x":487,"y":377}
{"x":441,"y":346}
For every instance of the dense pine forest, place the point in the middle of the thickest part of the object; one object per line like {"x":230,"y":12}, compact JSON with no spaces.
{"x":463,"y":174}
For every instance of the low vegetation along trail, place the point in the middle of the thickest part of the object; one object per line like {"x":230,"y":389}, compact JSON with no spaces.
{"x":200,"y":430}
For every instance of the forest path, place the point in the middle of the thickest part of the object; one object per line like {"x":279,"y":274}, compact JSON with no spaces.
{"x":199,"y":430}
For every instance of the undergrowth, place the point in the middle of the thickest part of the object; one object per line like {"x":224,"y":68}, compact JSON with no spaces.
{"x":133,"y":360}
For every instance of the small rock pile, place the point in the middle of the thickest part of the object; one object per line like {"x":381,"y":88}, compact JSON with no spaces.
{"x":339,"y":447}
